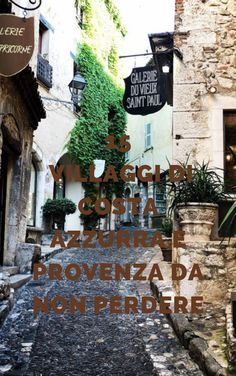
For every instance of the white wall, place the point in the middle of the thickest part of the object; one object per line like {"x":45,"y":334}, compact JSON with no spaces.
{"x":161,"y":138}
{"x":53,"y":132}
{"x":75,"y":192}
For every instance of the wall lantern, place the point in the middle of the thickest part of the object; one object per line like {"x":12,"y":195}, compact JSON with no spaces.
{"x":213,"y":90}
{"x":229,"y":157}
{"x":77,"y":85}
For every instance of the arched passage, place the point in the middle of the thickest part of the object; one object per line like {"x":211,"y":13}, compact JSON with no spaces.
{"x":73,"y":191}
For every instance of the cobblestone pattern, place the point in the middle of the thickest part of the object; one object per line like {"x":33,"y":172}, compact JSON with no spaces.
{"x":56,"y":345}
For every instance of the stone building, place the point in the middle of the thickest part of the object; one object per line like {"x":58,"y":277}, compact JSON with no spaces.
{"x":57,"y":36}
{"x":60,"y":29}
{"x":204,"y":126}
{"x":21,"y":110}
{"x":204,"y":118}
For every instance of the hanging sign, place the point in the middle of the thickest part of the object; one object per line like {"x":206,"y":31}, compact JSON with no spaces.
{"x":144,"y":91}
{"x":16,"y":43}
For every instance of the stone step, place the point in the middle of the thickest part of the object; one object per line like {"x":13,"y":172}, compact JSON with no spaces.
{"x":19,"y":280}
{"x":11,"y":270}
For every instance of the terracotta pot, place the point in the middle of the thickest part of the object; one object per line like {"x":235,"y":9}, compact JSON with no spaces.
{"x":197,"y":220}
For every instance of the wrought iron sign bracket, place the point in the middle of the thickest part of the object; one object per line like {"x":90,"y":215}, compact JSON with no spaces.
{"x":175,"y":50}
{"x":35,"y":5}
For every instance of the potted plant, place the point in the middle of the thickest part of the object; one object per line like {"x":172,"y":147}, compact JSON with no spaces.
{"x":90,"y":221}
{"x":196,"y":202}
{"x":57,"y":209}
{"x":167,"y":228}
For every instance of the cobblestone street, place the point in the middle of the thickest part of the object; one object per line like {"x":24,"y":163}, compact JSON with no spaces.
{"x":71,"y":345}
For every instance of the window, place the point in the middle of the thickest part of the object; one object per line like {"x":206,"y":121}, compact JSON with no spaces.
{"x":79,"y":13}
{"x":148,"y":136}
{"x":32,"y":197}
{"x":230,"y":151}
{"x":44,"y":69}
{"x":59,"y":188}
{"x":160,"y":196}
{"x":43,"y":48}
{"x":81,"y":17}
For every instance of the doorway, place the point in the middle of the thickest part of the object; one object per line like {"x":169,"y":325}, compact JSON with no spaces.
{"x":3,"y":193}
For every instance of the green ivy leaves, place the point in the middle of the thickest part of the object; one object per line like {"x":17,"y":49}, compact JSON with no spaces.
{"x":101,"y":114}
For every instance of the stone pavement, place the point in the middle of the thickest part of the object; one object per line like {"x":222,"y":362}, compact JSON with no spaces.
{"x":74,"y":345}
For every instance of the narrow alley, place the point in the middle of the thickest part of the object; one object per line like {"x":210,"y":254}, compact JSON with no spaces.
{"x":56,"y":345}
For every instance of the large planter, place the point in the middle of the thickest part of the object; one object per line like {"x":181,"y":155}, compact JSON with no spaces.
{"x":197,"y":220}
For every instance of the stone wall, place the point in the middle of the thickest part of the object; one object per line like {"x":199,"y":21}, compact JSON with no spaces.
{"x":19,"y":167}
{"x":217,"y":263}
{"x":210,"y":256}
{"x":205,"y":35}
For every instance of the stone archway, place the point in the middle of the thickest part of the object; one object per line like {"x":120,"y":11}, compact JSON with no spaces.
{"x":71,"y":190}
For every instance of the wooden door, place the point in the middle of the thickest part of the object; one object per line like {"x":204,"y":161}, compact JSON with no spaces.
{"x":3,"y":192}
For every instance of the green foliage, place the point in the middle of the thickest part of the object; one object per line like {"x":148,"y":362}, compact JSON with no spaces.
{"x":115,"y":14}
{"x":101,"y":114}
{"x":206,"y":186}
{"x":90,"y":221}
{"x":113,"y":58}
{"x":88,"y":14}
{"x":229,"y":221}
{"x":167,"y":227}
{"x":101,"y":110}
{"x":56,"y":207}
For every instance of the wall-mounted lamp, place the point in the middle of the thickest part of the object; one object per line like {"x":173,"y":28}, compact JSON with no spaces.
{"x":212,"y":90}
{"x":77,"y":85}
{"x":229,"y":157}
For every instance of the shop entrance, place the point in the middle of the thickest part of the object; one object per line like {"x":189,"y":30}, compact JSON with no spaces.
{"x":3,"y":193}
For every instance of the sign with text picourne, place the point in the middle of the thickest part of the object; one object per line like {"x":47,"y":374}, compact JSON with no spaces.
{"x":16,"y":43}
{"x":144,"y":91}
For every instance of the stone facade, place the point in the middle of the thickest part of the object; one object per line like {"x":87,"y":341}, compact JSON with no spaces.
{"x":21,"y":110}
{"x":60,"y":48}
{"x":16,"y":137}
{"x":204,"y":90}
{"x":205,"y":80}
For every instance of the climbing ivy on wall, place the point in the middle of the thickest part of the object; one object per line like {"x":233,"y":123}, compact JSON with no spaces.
{"x":115,"y":14}
{"x":113,"y":60}
{"x":101,"y":114}
{"x":111,"y":8}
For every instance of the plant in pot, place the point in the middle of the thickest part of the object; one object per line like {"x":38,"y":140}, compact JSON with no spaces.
{"x":90,"y":221}
{"x":167,"y":228}
{"x":57,"y":209}
{"x":196,"y":202}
